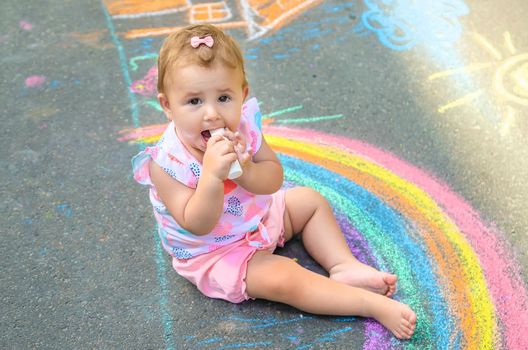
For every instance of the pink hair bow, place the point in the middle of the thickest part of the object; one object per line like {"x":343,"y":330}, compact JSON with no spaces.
{"x":196,"y":41}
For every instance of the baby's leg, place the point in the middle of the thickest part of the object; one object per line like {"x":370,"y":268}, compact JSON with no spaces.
{"x":309,"y":212}
{"x":280,"y":279}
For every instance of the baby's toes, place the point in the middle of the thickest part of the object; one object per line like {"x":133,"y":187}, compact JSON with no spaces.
{"x":406,"y":331}
{"x":407,"y":327}
{"x":390,"y":279}
{"x":390,"y":282}
{"x":408,"y":324}
{"x":402,"y":334}
{"x":390,"y":291}
{"x":409,"y":332}
{"x":411,"y":317}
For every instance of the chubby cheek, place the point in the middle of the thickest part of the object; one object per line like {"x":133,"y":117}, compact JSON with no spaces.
{"x":233,"y":124}
{"x":188,"y":131}
{"x":189,"y":134}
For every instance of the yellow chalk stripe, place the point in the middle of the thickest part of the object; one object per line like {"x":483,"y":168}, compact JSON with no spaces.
{"x":461,"y":101}
{"x":148,"y":140}
{"x":467,"y":69}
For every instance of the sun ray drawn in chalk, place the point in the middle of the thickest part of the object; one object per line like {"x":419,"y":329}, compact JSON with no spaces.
{"x":508,"y":78}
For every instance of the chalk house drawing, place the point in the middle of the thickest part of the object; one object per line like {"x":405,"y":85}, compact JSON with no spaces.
{"x":256,"y":17}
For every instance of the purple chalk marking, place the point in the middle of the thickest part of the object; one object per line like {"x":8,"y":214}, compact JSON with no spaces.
{"x":356,"y":242}
{"x":35,"y":81}
{"x":377,"y":337}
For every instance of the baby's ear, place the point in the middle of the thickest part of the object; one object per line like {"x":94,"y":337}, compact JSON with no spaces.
{"x":246,"y":92}
{"x":164,"y":103}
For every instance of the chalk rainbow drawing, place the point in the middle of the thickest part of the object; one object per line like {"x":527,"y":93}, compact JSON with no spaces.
{"x":456,"y":271}
{"x":257,"y":17}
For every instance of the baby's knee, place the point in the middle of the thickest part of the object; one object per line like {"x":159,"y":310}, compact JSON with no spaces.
{"x":313,"y":196}
{"x":280,"y":281}
{"x":309,"y":194}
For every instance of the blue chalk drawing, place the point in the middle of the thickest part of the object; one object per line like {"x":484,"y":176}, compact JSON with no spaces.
{"x":209,"y":341}
{"x":148,"y":56}
{"x":325,"y":338}
{"x":298,"y":37}
{"x":258,"y":330}
{"x":266,"y":323}
{"x":402,"y":24}
{"x":64,"y":209}
{"x":43,"y":251}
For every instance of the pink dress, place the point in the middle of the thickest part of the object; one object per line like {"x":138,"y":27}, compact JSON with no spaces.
{"x":246,"y":219}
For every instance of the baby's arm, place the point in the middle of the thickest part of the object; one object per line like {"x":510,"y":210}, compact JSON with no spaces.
{"x":197,"y":210}
{"x":262,"y":173}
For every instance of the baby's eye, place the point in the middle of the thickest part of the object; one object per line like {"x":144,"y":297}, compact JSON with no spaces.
{"x":195,"y":101}
{"x":224,"y":98}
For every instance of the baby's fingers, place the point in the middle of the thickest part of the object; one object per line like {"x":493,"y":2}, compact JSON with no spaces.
{"x":244,"y":156}
{"x":214,"y":139}
{"x":240,"y":139}
{"x":228,"y":134}
{"x":241,"y":149}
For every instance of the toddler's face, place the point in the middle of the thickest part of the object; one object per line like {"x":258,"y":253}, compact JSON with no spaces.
{"x":200,"y":99}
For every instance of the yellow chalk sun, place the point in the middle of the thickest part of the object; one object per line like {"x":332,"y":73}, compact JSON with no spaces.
{"x":509,"y":80}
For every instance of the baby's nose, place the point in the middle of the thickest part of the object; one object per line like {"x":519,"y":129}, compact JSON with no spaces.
{"x":211,"y":114}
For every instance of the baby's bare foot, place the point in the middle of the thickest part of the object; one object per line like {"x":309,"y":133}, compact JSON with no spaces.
{"x":357,"y":274}
{"x":395,"y":316}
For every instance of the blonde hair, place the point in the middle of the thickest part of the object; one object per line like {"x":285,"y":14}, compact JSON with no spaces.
{"x":177,"y":49}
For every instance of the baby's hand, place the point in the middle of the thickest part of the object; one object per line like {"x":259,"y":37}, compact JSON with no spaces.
{"x":218,"y":156}
{"x":243,"y":154}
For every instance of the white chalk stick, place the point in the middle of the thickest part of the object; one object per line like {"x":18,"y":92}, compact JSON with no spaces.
{"x":235,"y":170}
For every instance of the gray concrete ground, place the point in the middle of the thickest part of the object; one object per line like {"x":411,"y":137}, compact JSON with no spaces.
{"x":81,"y":263}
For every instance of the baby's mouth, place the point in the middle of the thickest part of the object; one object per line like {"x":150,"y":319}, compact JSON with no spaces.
{"x":206,"y":135}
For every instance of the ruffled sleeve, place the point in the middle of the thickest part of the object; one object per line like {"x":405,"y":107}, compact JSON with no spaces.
{"x":169,"y":154}
{"x":251,"y":124}
{"x":140,"y":166}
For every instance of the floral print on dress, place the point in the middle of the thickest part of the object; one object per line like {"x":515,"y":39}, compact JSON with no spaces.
{"x":223,"y":228}
{"x":195,"y":168}
{"x":254,"y":139}
{"x":181,"y":253}
{"x":174,"y":159}
{"x":223,"y":238}
{"x":234,"y":207}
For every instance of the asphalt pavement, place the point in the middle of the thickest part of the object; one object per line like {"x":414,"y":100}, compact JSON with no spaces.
{"x":411,"y":117}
